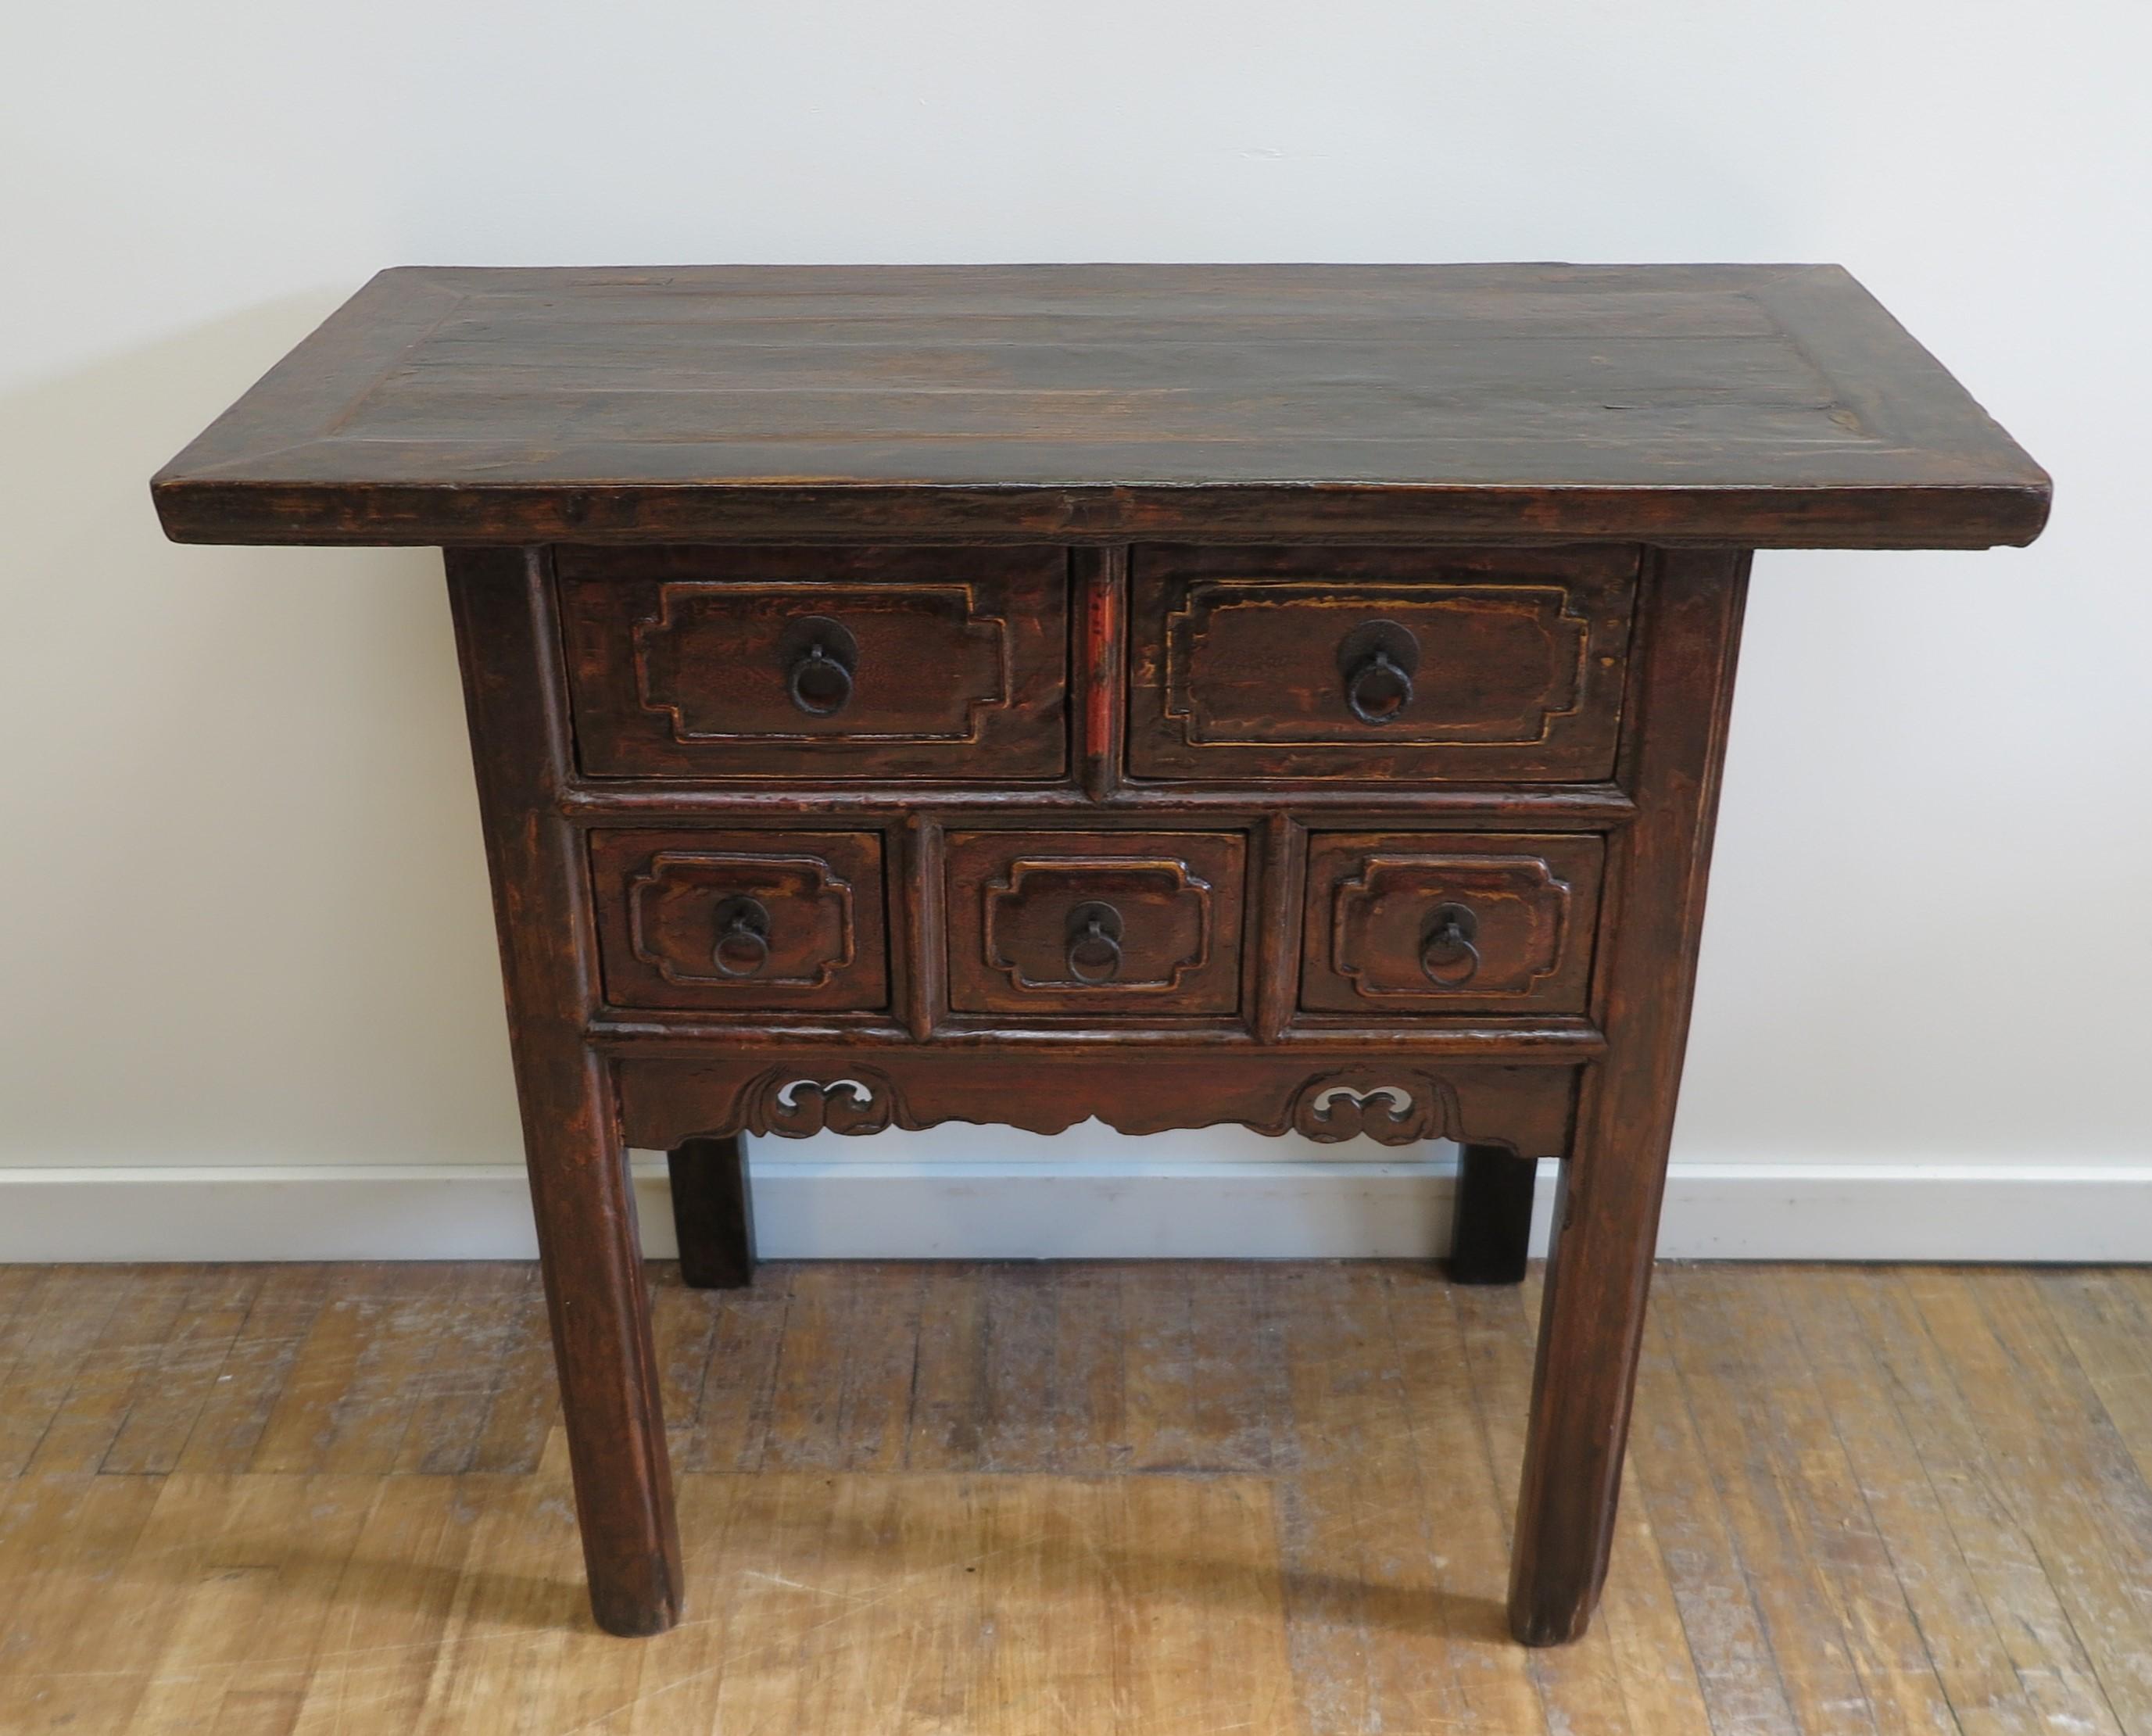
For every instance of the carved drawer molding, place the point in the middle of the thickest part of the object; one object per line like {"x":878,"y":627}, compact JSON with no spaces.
{"x":792,"y":883}
{"x":1406,"y":923}
{"x":816,"y":665}
{"x":1367,"y":666}
{"x":1053,"y":923}
{"x":738,"y":922}
{"x":1186,"y":902}
{"x":714,"y":657}
{"x":1217,"y":643}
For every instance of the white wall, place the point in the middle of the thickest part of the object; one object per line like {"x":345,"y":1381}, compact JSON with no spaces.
{"x":243,"y":918}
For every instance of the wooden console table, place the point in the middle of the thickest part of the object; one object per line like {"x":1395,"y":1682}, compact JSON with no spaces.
{"x":1293,"y":696}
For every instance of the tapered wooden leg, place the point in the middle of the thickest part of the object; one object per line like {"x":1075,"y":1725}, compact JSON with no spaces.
{"x":579,"y":1195}
{"x":712,"y":1214}
{"x":599,"y":1301}
{"x":1492,"y":1230}
{"x":1607,"y":1208}
{"x":1592,"y":1315}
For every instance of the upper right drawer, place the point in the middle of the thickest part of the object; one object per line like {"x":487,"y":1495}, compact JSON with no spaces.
{"x":1431,"y":665}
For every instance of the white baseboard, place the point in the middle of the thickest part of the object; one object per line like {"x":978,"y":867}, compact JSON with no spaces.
{"x":1302,"y":1210}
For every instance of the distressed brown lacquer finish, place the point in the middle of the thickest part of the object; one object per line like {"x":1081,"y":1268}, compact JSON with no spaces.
{"x":741,"y":922}
{"x":1096,"y":921}
{"x":1358,"y":666}
{"x":713,"y":1213}
{"x":1288,"y":697}
{"x":579,"y":1181}
{"x":1765,"y":406}
{"x":1449,"y":922}
{"x":1606,"y":1217}
{"x":702,"y":662}
{"x":1458,"y":1090}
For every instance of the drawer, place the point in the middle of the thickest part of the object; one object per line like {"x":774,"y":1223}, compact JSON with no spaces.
{"x":1416,"y":922}
{"x":741,"y":922}
{"x":1133,"y":922}
{"x":817,"y":664}
{"x":1428,"y":664}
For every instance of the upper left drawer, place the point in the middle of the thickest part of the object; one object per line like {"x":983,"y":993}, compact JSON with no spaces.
{"x":812,"y":664}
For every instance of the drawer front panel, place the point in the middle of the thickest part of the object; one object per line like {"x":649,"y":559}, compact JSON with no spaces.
{"x":745,"y":921}
{"x":1432,"y":664}
{"x":1067,"y":922}
{"x":1418,"y":922}
{"x":817,"y":664}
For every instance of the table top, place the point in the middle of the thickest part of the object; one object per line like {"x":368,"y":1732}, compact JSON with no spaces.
{"x":1768,"y":406}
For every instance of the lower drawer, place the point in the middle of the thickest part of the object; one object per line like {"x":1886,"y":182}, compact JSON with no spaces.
{"x":1421,"y":923}
{"x":1139,"y":923}
{"x":741,"y":922}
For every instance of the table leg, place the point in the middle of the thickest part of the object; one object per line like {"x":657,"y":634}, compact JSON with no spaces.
{"x":713,"y":1213}
{"x":599,"y":1306}
{"x":580,"y":1191}
{"x":1492,"y":1229}
{"x":1592,"y":1315}
{"x":1607,"y":1206}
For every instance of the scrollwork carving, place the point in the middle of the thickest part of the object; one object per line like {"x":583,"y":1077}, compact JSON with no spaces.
{"x":785,"y":1101}
{"x":1393,"y":1109}
{"x":1526,"y":1109}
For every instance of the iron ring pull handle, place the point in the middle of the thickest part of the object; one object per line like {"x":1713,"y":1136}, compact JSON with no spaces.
{"x":1379,"y":689}
{"x":819,"y":684}
{"x":1447,"y":956}
{"x":1094,"y":943}
{"x":742,"y":948}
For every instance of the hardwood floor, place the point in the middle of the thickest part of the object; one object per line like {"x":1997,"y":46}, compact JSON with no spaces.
{"x":1181,"y":1498}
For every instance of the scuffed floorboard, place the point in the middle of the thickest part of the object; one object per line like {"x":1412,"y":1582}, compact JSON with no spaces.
{"x":1197,"y":1500}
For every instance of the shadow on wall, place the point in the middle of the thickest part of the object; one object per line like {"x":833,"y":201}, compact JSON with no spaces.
{"x":243,"y":907}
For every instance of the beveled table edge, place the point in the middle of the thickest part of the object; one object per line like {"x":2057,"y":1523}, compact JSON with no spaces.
{"x":2010,"y":511}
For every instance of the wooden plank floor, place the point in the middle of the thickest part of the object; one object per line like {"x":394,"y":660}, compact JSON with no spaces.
{"x":1193,"y":1499}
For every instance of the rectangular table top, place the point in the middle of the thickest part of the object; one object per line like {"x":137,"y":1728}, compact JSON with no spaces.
{"x":1758,"y":405}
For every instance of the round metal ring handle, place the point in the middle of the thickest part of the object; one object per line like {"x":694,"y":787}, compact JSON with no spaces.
{"x":1094,"y":943}
{"x":742,"y":947}
{"x":1378,"y":690}
{"x":820,"y":683}
{"x":1446,"y":956}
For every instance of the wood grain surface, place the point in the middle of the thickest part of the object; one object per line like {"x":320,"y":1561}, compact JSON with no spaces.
{"x":1259,"y":1497}
{"x":1761,"y":405}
